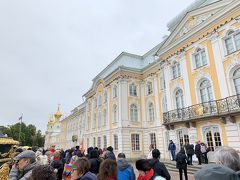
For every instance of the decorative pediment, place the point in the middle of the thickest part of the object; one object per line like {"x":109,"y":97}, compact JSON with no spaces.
{"x":194,"y":19}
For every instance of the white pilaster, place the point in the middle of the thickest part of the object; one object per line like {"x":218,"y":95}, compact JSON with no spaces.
{"x":143,"y":105}
{"x":156,"y":96}
{"x":123,"y":103}
{"x":188,"y":100}
{"x":219,"y":66}
{"x":167,"y":75}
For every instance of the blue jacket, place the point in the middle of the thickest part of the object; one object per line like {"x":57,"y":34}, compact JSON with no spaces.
{"x":171,"y":147}
{"x":125,"y":170}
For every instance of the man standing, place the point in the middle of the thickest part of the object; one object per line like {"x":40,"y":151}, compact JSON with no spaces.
{"x":190,"y":151}
{"x":158,"y":167}
{"x":125,"y":170}
{"x":22,"y":169}
{"x":172,"y":149}
{"x":198,"y":152}
{"x":151,"y":147}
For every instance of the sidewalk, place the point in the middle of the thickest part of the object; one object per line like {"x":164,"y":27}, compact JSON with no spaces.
{"x":175,"y":176}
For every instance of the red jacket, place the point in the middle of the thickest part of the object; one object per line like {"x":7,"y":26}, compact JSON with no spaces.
{"x":147,"y":176}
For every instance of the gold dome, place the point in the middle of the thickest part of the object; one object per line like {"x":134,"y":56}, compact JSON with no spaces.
{"x":58,"y":114}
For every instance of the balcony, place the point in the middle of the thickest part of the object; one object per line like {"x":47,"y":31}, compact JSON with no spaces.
{"x":223,"y":108}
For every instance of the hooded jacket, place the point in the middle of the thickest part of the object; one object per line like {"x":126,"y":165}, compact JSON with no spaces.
{"x":216,"y":172}
{"x":16,"y":174}
{"x":88,"y":176}
{"x":125,"y":170}
{"x":159,"y":169}
{"x":94,"y":161}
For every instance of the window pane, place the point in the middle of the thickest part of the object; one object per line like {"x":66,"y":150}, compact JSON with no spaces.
{"x":237,"y":41}
{"x":197,"y":60}
{"x":229,"y":45}
{"x":204,"y":58}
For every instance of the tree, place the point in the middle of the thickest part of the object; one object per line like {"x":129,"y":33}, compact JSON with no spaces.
{"x":29,"y":135}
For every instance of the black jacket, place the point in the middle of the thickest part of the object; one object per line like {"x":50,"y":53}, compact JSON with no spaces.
{"x":189,"y":149}
{"x":198,"y":150}
{"x":159,"y":169}
{"x":95,"y":164}
{"x":57,"y":164}
{"x":181,"y":160}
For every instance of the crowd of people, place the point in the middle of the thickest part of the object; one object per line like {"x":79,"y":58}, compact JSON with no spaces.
{"x":98,"y":164}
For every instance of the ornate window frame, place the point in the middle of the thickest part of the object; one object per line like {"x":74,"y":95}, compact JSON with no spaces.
{"x":234,"y":31}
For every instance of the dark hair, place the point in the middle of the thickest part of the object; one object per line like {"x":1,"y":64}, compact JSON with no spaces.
{"x":143,"y":165}
{"x":156,"y":153}
{"x":93,"y":154}
{"x":43,"y":172}
{"x":121,"y":155}
{"x":77,"y":147}
{"x":108,"y":168}
{"x":110,"y":148}
{"x":89,"y":149}
{"x":19,"y":150}
{"x":82,"y":165}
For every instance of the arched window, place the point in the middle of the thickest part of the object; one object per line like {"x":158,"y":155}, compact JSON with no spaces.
{"x":114,"y":113}
{"x":114,"y":91}
{"x":105,"y":96}
{"x":164,"y":104}
{"x":99,"y":119}
{"x":133,"y":113}
{"x":236,"y":80}
{"x":151,"y":111}
{"x":176,"y":72}
{"x":104,"y":117}
{"x":94,"y":120}
{"x":232,"y":42}
{"x":99,"y":100}
{"x":179,"y":99}
{"x":212,"y":137}
{"x":104,"y":141}
{"x":133,"y":90}
{"x":206,"y":91}
{"x":200,"y":58}
{"x":149,"y":88}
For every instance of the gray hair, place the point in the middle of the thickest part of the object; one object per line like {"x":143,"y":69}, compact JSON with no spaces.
{"x":228,"y":157}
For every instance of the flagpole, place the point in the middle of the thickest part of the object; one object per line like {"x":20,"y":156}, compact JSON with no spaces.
{"x":20,"y":129}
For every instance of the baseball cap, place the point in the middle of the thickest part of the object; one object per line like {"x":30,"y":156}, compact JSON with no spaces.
{"x":25,"y":154}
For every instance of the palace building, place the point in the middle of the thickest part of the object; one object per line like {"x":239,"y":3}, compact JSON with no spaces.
{"x":185,"y":89}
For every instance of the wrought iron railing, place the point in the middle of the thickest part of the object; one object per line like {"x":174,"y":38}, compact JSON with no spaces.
{"x":219,"y":107}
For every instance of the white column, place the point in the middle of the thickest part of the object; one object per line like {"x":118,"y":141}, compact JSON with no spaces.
{"x":167,"y":76}
{"x":219,"y":66}
{"x":143,"y":105}
{"x":156,"y":96}
{"x":109,"y":108}
{"x":187,"y":95}
{"x":123,"y":103}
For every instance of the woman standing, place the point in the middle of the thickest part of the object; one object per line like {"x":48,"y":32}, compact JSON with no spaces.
{"x":181,"y":160}
{"x":80,"y":170}
{"x":108,"y":170}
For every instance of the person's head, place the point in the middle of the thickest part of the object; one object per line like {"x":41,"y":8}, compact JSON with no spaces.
{"x":121,"y":156}
{"x":56,"y":154}
{"x":143,"y":166}
{"x":77,"y":147}
{"x":151,"y":147}
{"x":89,"y":149}
{"x":108,"y":168}
{"x":156,"y":154}
{"x":94,"y":154}
{"x":110,"y":148}
{"x":228,"y":157}
{"x":24,"y":159}
{"x":171,"y":141}
{"x":43,"y":172}
{"x":198,"y":142}
{"x":53,"y":146}
{"x":79,"y":168}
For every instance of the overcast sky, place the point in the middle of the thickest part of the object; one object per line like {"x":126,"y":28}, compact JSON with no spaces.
{"x":50,"y":50}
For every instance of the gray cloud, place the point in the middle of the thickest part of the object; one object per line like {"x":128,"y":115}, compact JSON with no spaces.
{"x":51,"y":50}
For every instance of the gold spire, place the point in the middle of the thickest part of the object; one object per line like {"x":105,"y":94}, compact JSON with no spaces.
{"x":58,"y":114}
{"x":51,"y":120}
